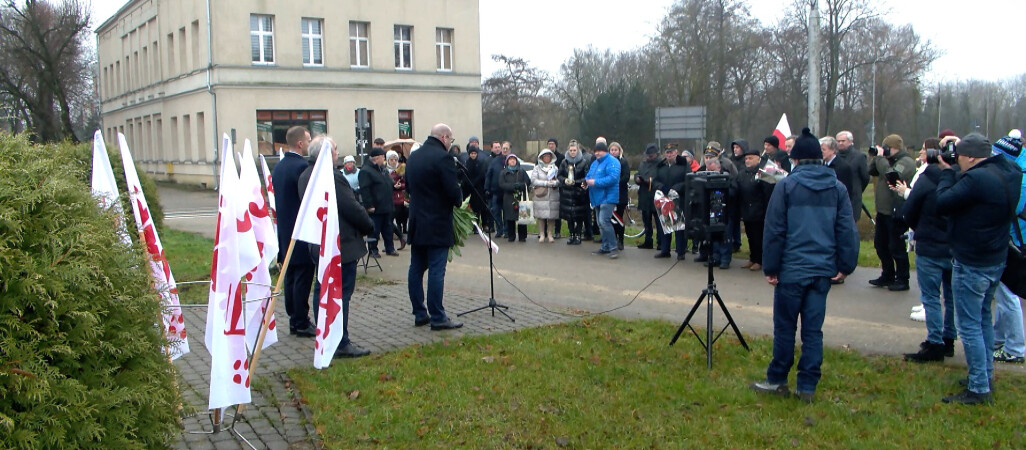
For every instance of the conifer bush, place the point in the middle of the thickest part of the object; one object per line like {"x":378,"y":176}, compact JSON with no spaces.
{"x":81,"y":358}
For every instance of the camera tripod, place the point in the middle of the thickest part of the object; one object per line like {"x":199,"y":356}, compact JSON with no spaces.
{"x":708,"y":294}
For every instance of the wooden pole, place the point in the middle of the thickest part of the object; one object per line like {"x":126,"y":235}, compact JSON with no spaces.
{"x":267,"y":317}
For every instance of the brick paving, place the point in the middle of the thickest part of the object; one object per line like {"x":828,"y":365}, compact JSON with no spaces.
{"x":380,"y":321}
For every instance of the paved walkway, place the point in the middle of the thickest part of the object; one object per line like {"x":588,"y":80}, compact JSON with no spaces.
{"x":859,"y":317}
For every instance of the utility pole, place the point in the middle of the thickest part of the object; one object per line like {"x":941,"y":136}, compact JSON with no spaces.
{"x":872,"y":124}
{"x":938,"y":108}
{"x":814,"y":97}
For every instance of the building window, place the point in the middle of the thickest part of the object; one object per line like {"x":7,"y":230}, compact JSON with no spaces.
{"x":359,"y":44}
{"x":443,"y":49}
{"x":273,"y":124}
{"x":405,"y":124}
{"x":313,"y":39}
{"x":261,"y":38}
{"x":403,"y":47}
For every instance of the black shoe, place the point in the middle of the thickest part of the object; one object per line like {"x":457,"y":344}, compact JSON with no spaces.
{"x":557,"y":236}
{"x":392,"y":253}
{"x":833,"y":281}
{"x":500,"y":235}
{"x":949,"y":347}
{"x":375,"y":254}
{"x":421,"y":322}
{"x":701,"y":258}
{"x":619,"y":245}
{"x":882,"y":281}
{"x":805,"y":397}
{"x":680,"y":257}
{"x":765,"y":387}
{"x":588,"y":238}
{"x":308,"y":331}
{"x":645,"y":246}
{"x":661,"y":255}
{"x":968,"y":397}
{"x":512,"y":239}
{"x":601,"y":252}
{"x":449,"y":324}
{"x":616,"y":254}
{"x":724,"y":266}
{"x":523,"y":239}
{"x":898,"y":286}
{"x":928,"y":352}
{"x":351,"y":351}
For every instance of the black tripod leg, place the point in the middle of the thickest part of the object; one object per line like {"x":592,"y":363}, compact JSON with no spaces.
{"x":730,"y":320}
{"x":688,"y":319}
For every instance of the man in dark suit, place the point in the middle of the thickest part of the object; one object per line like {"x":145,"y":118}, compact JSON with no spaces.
{"x":353,"y":225}
{"x":434,"y":191}
{"x":841,"y":166}
{"x":376,"y":194}
{"x":300,"y":272}
{"x":859,"y":169}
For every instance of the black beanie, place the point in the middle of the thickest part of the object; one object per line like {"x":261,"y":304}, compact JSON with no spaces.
{"x":806,"y":147}
{"x":772,"y":140}
{"x":651,"y":149}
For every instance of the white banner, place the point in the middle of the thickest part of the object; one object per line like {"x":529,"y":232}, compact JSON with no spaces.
{"x":258,"y":291}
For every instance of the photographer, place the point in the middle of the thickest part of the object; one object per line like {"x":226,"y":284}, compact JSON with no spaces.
{"x":890,"y":164}
{"x":933,"y":257}
{"x":978,"y":203}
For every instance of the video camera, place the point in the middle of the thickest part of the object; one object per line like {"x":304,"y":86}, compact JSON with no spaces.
{"x":705,"y":204}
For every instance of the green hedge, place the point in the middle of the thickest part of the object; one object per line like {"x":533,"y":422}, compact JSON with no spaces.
{"x":81,"y":360}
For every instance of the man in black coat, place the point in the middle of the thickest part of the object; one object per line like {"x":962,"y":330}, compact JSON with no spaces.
{"x":376,"y":195}
{"x":671,"y":176}
{"x":492,"y":191}
{"x":299,"y":275}
{"x":833,"y":160}
{"x":645,"y":179}
{"x":434,"y":189}
{"x":753,"y":196}
{"x":353,"y":225}
{"x":771,"y":151}
{"x":859,"y":167}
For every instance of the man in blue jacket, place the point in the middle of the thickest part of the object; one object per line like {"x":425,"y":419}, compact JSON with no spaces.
{"x":434,"y":191}
{"x":603,"y":180}
{"x":810,"y":238}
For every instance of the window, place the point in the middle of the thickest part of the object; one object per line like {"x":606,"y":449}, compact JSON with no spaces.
{"x":405,"y":124}
{"x":359,"y":44}
{"x":313,"y":39}
{"x":273,"y":124}
{"x":443,"y":49}
{"x":261,"y":38}
{"x":403,"y":47}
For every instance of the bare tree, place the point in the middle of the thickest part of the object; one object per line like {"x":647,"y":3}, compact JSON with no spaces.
{"x":513,"y":100}
{"x":42,"y":46}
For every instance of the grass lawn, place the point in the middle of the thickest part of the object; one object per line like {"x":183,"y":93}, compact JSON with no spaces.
{"x":604,"y":382}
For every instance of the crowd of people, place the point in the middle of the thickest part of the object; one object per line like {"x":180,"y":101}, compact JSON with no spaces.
{"x":797,"y":203}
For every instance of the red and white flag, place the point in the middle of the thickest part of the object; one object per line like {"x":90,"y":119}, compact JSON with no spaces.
{"x":260,"y":287}
{"x":226,"y":324}
{"x":317,"y":223}
{"x":104,"y":186}
{"x":163,"y":280}
{"x":783,"y":130}
{"x":270,"y":189}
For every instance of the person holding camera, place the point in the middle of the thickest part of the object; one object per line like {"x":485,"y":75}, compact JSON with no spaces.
{"x":933,"y":256}
{"x":979,"y":204}
{"x":810,"y":239}
{"x":890,"y":164}
{"x":1009,"y":341}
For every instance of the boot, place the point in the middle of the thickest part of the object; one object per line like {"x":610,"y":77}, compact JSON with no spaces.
{"x":928,"y":351}
{"x":949,"y":347}
{"x":550,"y":228}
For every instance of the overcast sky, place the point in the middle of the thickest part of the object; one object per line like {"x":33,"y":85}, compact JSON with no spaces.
{"x":978,"y":38}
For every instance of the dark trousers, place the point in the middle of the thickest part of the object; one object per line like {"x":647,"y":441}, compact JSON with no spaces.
{"x":513,"y":230}
{"x":431,"y":260}
{"x":574,"y":228}
{"x":647,"y":219}
{"x":383,"y":228}
{"x":805,"y":299}
{"x":753,"y":229}
{"x":734,"y":231}
{"x":589,"y":222}
{"x":617,"y":227}
{"x":400,"y":217}
{"x":496,"y":208}
{"x":298,"y":280}
{"x":559,"y":228}
{"x":890,"y":248}
{"x":680,"y":242}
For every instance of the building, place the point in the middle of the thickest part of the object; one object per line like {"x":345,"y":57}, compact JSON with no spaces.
{"x":176,"y":74}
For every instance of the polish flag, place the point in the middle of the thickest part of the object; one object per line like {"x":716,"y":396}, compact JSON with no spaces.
{"x":317,"y":223}
{"x":163,"y":280}
{"x":783,"y":130}
{"x":104,"y":186}
{"x":270,"y":189}
{"x":258,"y":291}
{"x":226,"y":324}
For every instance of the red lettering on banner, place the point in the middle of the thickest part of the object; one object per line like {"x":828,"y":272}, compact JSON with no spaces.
{"x":258,"y":211}
{"x":331,"y":288}
{"x":245,"y":224}
{"x":233,"y":314}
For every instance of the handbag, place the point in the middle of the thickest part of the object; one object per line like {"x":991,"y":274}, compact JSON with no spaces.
{"x":540,"y":191}
{"x":525,"y":211}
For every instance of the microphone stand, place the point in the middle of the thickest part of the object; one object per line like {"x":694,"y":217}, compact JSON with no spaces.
{"x":492,"y":304}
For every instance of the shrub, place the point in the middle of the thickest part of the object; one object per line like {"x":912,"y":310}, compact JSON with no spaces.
{"x":81,"y":360}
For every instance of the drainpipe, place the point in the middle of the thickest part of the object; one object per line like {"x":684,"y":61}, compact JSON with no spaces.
{"x":213,"y":96}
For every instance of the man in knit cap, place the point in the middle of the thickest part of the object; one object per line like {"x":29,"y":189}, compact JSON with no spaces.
{"x":810,"y":239}
{"x":890,"y":163}
{"x":1009,"y":341}
{"x":645,"y":178}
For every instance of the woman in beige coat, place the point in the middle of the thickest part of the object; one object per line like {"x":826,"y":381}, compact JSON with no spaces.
{"x":545,"y":193}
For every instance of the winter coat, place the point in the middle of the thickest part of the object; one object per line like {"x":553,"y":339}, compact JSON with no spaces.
{"x":513,"y":184}
{"x":353,"y":221}
{"x":285,"y":178}
{"x":625,"y":177}
{"x":920,"y":214}
{"x":375,"y":189}
{"x":672,"y":176}
{"x":645,"y":177}
{"x":888,"y":201}
{"x":495,"y":166}
{"x":398,"y":186}
{"x":809,"y":231}
{"x":752,"y":195}
{"x":544,"y":182}
{"x":977,"y":204}
{"x":606,"y":173}
{"x":474,"y":183}
{"x":434,"y":189}
{"x":573,"y":199}
{"x":859,"y":167}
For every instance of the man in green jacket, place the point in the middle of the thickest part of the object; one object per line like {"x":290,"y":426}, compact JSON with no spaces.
{"x":890,"y":163}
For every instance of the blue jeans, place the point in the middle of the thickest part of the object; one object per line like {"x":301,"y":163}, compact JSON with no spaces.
{"x":605,"y":223}
{"x":806,"y":299}
{"x":974,"y":291}
{"x":431,"y":260}
{"x":1008,"y":329}
{"x":495,"y":205}
{"x":934,"y":275}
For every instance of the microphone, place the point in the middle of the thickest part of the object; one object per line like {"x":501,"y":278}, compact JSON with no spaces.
{"x":459,"y":164}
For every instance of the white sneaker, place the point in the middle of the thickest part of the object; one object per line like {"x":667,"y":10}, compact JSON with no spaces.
{"x":918,"y":308}
{"x":918,"y":316}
